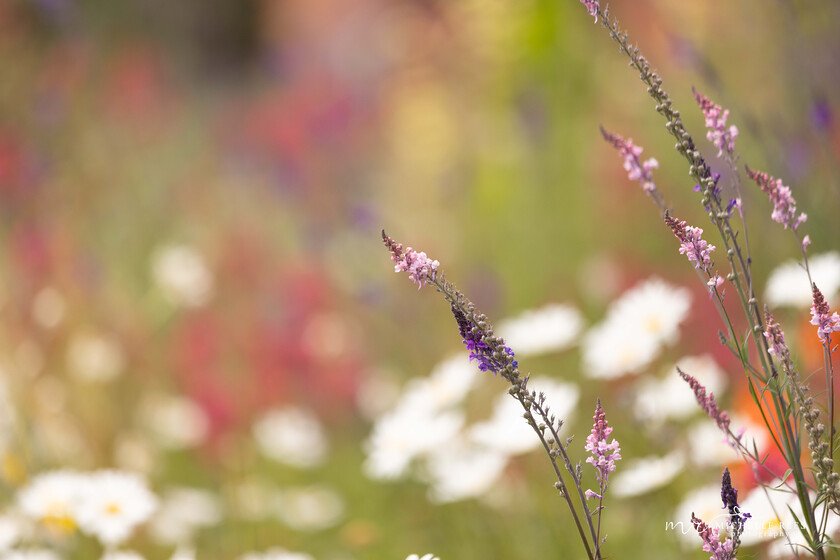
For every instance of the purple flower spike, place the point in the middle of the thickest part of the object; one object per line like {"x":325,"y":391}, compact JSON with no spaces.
{"x":479,"y":350}
{"x":592,"y":7}
{"x":418,"y":265}
{"x":821,"y":316}
{"x":707,"y":402}
{"x":718,"y":134}
{"x":784,"y":206}
{"x":692,"y":245}
{"x":636,"y":170}
{"x":604,"y":455}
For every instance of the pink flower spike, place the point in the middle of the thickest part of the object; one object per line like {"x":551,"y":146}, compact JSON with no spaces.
{"x":604,"y":455}
{"x":707,"y":402}
{"x":718,"y":134}
{"x":719,"y":550}
{"x":784,"y":206}
{"x":418,"y":265}
{"x":821,"y":316}
{"x":692,"y":245}
{"x":636,"y":170}
{"x":592,"y":7}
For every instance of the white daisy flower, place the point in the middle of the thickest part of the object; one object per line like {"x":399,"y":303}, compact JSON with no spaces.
{"x":404,"y":434}
{"x":53,"y":498}
{"x":31,"y":554}
{"x":637,"y":326}
{"x":292,"y":436}
{"x":182,"y":276}
{"x":639,"y":476}
{"x":275,"y":554}
{"x":507,"y":432}
{"x":114,"y":503}
{"x":461,"y":470}
{"x":671,"y":397}
{"x":447,"y":385}
{"x":182,"y":512}
{"x":13,"y":529}
{"x":183,"y":553}
{"x":788,"y":284}
{"x":550,"y":328}
{"x":708,"y":447}
{"x":309,"y":508}
{"x":122,"y":555}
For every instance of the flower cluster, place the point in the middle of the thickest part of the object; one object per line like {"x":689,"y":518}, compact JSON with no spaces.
{"x":488,"y":359}
{"x":636,"y":170}
{"x":418,"y":265}
{"x":718,"y":134}
{"x":719,"y":550}
{"x":604,"y":455}
{"x":692,"y":245}
{"x":821,"y":316}
{"x":776,"y":339}
{"x":706,"y":402}
{"x":592,"y":7}
{"x":784,"y":206}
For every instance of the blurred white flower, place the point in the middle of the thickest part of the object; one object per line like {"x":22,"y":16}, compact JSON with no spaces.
{"x":788,"y":284}
{"x":447,"y":385}
{"x":309,"y":508}
{"x":121,"y":555}
{"x":507,"y":431}
{"x":671,"y":397}
{"x":794,"y":545}
{"x":770,"y":516}
{"x":30,"y":554}
{"x":182,"y":276}
{"x":176,"y":422}
{"x":405,"y":433}
{"x":183,"y":554}
{"x":550,"y":328}
{"x":182,"y":512}
{"x":639,"y":476}
{"x":637,"y":325}
{"x":95,"y":357}
{"x":424,"y":557}
{"x":706,"y":504}
{"x":114,"y":503}
{"x":292,"y":436}
{"x":461,"y":470}
{"x":48,"y":308}
{"x":708,"y":446}
{"x":53,"y":498}
{"x":13,"y":529}
{"x":275,"y":554}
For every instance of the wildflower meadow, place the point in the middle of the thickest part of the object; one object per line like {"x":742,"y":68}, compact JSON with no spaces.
{"x":421,"y":280}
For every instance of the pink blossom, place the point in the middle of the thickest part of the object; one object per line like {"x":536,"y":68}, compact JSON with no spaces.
{"x":692,"y":244}
{"x":711,"y":540}
{"x":636,"y":170}
{"x":604,"y":455}
{"x":592,"y":7}
{"x":706,"y":402}
{"x":723,"y":138}
{"x":784,"y":206}
{"x":418,"y":265}
{"x":821,"y":316}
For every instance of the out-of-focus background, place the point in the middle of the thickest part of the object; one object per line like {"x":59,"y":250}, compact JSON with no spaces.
{"x":194,"y":287}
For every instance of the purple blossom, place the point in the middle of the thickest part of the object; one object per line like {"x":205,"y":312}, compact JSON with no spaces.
{"x":718,"y":134}
{"x":592,"y":7}
{"x":418,"y":265}
{"x":636,"y":170}
{"x":821,"y":316}
{"x":604,"y":455}
{"x":784,"y":206}
{"x":692,"y":245}
{"x":706,"y":402}
{"x":729,"y":497}
{"x":479,"y":350}
{"x":719,"y":550}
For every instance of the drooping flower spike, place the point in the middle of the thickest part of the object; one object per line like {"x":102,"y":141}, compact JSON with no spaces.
{"x":629,"y":152}
{"x":418,"y":265}
{"x":707,"y":402}
{"x":692,"y":245}
{"x":718,"y":134}
{"x":784,"y":206}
